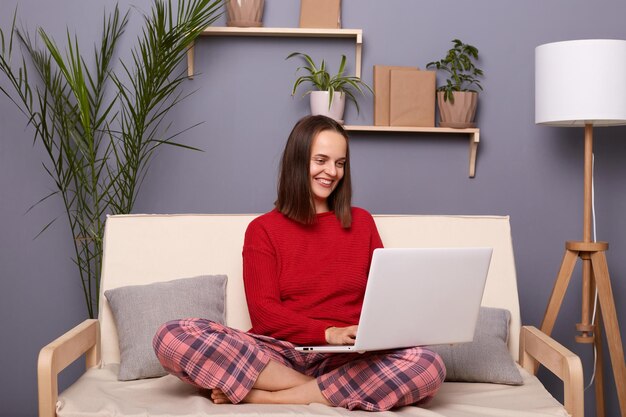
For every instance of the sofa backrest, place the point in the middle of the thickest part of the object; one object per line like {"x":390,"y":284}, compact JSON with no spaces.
{"x":142,"y":249}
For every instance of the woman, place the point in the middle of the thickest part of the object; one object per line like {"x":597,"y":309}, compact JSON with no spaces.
{"x":305,"y":270}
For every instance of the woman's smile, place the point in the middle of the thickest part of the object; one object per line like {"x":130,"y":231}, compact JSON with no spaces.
{"x":328,"y":157}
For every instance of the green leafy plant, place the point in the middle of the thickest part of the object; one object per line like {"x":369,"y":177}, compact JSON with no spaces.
{"x":321,"y":80}
{"x":100,"y":127}
{"x":462,"y":73}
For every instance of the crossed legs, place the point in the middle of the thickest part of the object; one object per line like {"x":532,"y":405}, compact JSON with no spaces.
{"x":240,"y":367}
{"x":278,"y":384}
{"x":235,"y":366}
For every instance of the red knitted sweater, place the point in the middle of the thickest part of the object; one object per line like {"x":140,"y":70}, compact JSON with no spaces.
{"x":301,"y":279}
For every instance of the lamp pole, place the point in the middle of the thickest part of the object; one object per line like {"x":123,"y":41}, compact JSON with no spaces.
{"x":585,"y":327}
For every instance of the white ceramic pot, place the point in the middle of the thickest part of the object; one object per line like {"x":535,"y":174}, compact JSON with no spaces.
{"x":319,"y":104}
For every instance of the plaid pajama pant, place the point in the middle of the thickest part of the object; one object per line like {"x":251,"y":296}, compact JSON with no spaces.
{"x":210,"y":355}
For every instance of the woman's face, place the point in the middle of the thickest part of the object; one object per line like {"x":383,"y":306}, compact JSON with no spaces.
{"x":328,"y":157}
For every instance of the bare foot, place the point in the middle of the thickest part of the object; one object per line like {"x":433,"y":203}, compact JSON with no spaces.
{"x":218,"y":397}
{"x":255,"y":396}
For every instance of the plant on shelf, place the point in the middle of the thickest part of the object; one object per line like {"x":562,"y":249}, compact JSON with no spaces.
{"x":328,"y":89}
{"x":458,"y":97}
{"x":101,"y":125}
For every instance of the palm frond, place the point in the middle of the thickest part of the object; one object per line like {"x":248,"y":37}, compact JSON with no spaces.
{"x":99,"y":143}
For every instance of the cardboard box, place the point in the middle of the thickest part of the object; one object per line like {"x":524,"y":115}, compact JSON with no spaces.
{"x":412,"y":98}
{"x":320,"y":14}
{"x":382,"y":82}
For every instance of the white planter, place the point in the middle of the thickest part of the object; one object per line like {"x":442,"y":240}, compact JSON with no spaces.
{"x":319,"y":104}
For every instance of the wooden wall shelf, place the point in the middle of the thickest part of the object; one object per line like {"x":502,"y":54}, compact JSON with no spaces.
{"x":357,"y":34}
{"x":474,"y":136}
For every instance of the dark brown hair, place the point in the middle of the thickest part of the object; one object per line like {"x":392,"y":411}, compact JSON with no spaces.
{"x":295,"y":198}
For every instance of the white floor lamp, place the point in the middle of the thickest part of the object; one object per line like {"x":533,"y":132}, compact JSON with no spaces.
{"x":582,"y":83}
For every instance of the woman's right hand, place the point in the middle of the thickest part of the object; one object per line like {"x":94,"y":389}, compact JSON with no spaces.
{"x":341,"y":335}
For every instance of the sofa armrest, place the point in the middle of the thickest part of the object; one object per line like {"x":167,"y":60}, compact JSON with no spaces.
{"x":56,"y":356}
{"x":537,"y":348}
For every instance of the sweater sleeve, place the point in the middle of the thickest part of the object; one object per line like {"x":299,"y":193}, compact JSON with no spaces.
{"x":268,"y":314}
{"x":375,"y":240}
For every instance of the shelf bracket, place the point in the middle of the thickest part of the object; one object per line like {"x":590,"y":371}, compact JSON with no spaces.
{"x":190,"y":60}
{"x":357,"y":54}
{"x":474,"y":138}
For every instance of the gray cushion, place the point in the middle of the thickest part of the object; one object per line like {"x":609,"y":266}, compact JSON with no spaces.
{"x":487,"y":358}
{"x":139,"y":310}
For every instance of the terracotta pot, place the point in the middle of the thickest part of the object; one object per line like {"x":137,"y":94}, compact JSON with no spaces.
{"x":245,"y":13}
{"x":319,"y":104}
{"x":459,"y":114}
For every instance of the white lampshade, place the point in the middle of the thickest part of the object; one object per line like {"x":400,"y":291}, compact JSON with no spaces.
{"x":581,"y":82}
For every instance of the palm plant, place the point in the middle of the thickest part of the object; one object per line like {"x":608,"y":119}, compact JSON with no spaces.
{"x":321,"y":79}
{"x":100,"y":142}
{"x":461,"y":71}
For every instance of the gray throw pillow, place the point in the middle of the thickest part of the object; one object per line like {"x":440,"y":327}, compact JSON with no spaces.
{"x":487,"y":358}
{"x":139,"y":310}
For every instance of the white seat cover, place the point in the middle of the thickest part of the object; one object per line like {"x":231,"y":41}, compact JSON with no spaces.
{"x":98,"y":393}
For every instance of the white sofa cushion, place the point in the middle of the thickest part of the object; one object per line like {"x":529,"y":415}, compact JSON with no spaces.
{"x":98,"y":393}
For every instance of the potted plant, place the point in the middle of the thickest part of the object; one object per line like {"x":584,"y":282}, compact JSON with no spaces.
{"x":330,"y":93}
{"x":458,"y":97}
{"x":100,"y":124}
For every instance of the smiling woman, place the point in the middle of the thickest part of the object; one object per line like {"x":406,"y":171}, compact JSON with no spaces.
{"x":305,"y":267}
{"x":327,"y":166}
{"x":315,"y":143}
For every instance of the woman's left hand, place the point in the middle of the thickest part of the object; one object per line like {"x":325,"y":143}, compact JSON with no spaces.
{"x":341,"y":335}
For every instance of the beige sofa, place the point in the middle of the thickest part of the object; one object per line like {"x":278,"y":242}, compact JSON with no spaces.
{"x":141,"y":249}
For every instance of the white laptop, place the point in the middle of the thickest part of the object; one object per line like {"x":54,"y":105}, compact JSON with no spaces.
{"x":417,"y":297}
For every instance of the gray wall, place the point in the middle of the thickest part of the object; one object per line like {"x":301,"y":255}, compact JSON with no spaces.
{"x":532,"y":173}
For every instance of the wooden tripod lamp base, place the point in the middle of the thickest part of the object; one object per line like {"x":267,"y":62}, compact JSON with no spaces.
{"x":595,"y":276}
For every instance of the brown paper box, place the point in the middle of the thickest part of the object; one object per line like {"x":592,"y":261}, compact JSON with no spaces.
{"x":382,"y":78}
{"x":412,"y":98}
{"x":320,"y":14}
